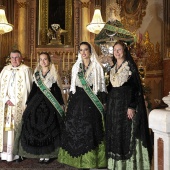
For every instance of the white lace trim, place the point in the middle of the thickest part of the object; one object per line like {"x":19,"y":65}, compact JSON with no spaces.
{"x":118,"y":78}
{"x":50,"y":78}
{"x":98,"y":80}
{"x":89,"y":76}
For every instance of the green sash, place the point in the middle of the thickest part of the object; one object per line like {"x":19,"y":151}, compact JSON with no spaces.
{"x":49,"y":95}
{"x":92,"y":96}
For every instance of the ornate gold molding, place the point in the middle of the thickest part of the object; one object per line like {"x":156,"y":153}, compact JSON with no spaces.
{"x":32,"y":27}
{"x":132,"y":13}
{"x":68,"y":22}
{"x":85,"y":4}
{"x":76,"y":25}
{"x":43,"y":22}
{"x":154,"y":60}
{"x":22,"y":4}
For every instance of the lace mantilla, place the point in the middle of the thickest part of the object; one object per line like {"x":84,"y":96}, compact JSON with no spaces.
{"x":97,"y":79}
{"x":89,"y":76}
{"x":120,"y":76}
{"x":48,"y":80}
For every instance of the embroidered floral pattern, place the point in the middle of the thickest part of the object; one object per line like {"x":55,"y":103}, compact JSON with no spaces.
{"x":10,"y":117}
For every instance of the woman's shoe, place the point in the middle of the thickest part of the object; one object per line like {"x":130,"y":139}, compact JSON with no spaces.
{"x":41,"y":160}
{"x":47,"y":160}
{"x":20,"y":159}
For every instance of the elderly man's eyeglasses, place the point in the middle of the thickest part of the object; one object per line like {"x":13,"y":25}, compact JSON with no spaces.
{"x":15,"y":58}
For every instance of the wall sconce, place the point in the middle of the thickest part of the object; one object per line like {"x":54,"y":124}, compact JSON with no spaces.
{"x":97,"y":23}
{"x":4,"y":25}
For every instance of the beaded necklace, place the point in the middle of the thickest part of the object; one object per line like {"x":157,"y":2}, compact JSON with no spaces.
{"x":86,"y":68}
{"x":45,"y":74}
{"x":117,"y":68}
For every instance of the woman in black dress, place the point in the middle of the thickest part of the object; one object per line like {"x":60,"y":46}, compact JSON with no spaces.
{"x":42,"y":120}
{"x":127,"y":133}
{"x":82,"y":144}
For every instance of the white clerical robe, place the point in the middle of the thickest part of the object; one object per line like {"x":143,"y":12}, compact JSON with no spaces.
{"x":15,"y":85}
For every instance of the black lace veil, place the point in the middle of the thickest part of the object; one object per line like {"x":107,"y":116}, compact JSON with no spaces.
{"x":142,"y":116}
{"x":141,"y":112}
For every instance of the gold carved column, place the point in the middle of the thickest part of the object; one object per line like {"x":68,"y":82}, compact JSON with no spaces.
{"x":76,"y":25}
{"x":69,"y":22}
{"x":85,"y":17}
{"x":43,"y":22}
{"x":22,"y":25}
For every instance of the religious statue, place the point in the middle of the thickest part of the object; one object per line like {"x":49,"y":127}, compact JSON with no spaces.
{"x":55,"y":33}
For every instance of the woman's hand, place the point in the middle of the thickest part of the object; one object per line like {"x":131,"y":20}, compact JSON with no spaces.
{"x":130,"y":113}
{"x":104,"y":106}
{"x":9,"y":103}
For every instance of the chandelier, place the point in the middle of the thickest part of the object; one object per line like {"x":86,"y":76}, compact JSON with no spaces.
{"x":4,"y":25}
{"x":97,"y":23}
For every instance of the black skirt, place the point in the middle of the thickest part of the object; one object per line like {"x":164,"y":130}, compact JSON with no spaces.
{"x":83,"y":125}
{"x":41,"y":128}
{"x":120,"y":130}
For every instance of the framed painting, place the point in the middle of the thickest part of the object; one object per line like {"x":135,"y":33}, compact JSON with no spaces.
{"x":132,"y":13}
{"x":55,"y":12}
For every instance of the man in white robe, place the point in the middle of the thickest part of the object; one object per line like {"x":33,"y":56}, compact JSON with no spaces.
{"x":15,"y":86}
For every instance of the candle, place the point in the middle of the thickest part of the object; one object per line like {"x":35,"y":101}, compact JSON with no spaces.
{"x":63,"y":61}
{"x":68,"y":61}
{"x":73,"y":58}
{"x":140,"y":37}
{"x":37,"y":57}
{"x":31,"y":60}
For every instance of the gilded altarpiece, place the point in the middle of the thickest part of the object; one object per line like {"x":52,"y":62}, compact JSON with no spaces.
{"x":154,"y":72}
{"x":63,"y":56}
{"x":43,"y":26}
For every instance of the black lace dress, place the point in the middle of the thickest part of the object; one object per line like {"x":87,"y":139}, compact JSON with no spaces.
{"x":41,"y":126}
{"x":127,"y":140}
{"x":82,"y":143}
